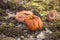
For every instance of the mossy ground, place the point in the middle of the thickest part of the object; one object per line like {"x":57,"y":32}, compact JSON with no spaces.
{"x":11,"y":27}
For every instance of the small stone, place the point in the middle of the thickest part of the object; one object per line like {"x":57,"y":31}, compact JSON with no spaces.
{"x":22,"y":36}
{"x":41,"y":36}
{"x":18,"y":39}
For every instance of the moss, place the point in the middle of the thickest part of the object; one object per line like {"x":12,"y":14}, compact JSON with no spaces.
{"x":53,"y":36}
{"x":11,"y":30}
{"x":11,"y":25}
{"x":5,"y":26}
{"x":1,"y":11}
{"x":57,"y":34}
{"x":41,"y":14}
{"x":12,"y":6}
{"x":2,"y":19}
{"x":34,"y":5}
{"x":14,"y":1}
{"x":53,"y":26}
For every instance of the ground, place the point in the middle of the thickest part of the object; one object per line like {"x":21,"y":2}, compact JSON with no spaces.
{"x":11,"y":29}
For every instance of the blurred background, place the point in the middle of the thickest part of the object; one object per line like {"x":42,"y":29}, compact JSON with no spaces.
{"x":11,"y":29}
